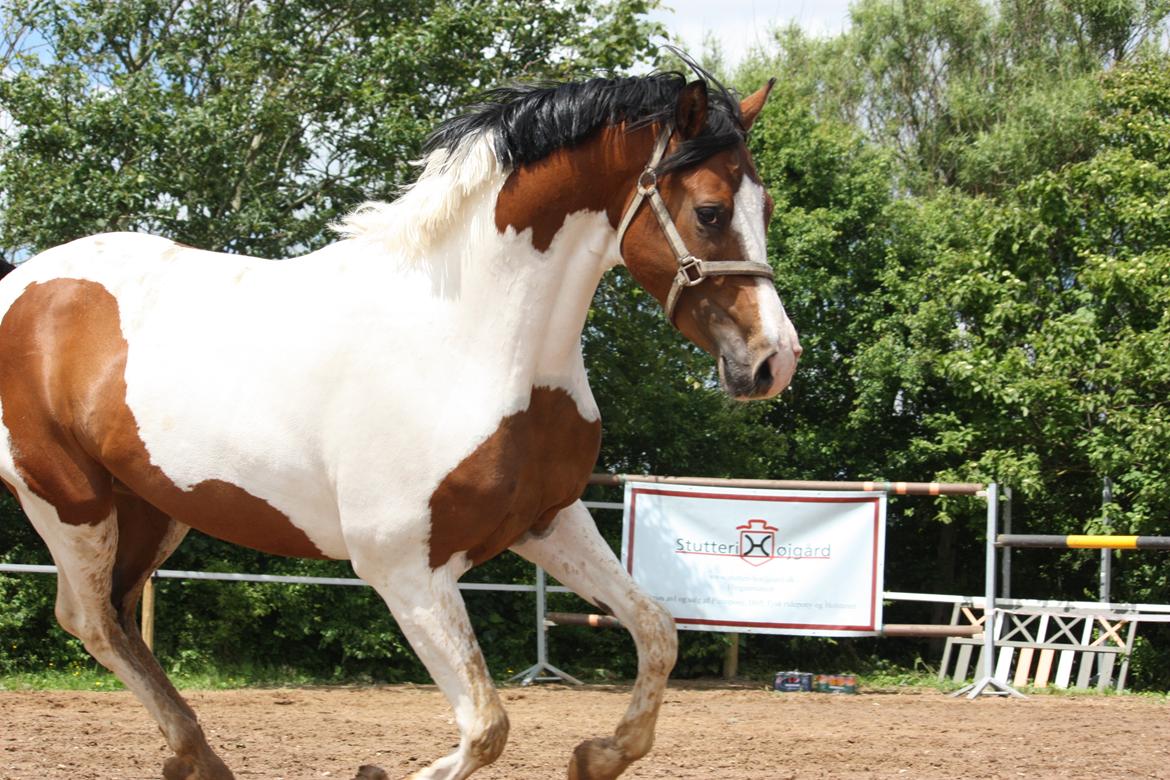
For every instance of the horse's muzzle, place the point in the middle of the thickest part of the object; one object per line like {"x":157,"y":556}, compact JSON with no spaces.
{"x":746,"y":379}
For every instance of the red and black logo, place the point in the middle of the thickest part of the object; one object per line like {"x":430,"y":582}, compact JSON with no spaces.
{"x":757,"y":542}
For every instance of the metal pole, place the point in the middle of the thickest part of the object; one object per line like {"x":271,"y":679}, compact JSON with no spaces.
{"x":541,"y":629}
{"x":899,"y":488}
{"x":989,"y":587}
{"x":989,"y":681}
{"x":1106,"y":555}
{"x":534,"y":673}
{"x":1005,"y":562}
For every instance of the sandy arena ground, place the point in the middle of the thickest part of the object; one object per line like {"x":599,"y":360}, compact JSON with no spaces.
{"x":741,"y":732}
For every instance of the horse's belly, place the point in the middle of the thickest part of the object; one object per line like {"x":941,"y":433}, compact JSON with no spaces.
{"x":536,"y":463}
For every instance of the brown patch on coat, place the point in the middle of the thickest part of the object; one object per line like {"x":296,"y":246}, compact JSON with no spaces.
{"x":64,"y":389}
{"x":539,"y":196}
{"x":535,"y":464}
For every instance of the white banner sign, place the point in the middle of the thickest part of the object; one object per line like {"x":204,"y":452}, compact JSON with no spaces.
{"x":764,"y":561}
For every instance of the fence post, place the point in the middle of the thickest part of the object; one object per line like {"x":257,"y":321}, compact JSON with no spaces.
{"x":989,"y":680}
{"x":731,"y":658}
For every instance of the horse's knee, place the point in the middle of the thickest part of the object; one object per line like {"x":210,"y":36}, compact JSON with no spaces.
{"x":490,"y":737}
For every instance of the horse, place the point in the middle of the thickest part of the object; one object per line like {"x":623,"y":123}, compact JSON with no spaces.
{"x":411,"y":398}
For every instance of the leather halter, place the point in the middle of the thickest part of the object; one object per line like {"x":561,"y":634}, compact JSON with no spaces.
{"x":691,"y":270}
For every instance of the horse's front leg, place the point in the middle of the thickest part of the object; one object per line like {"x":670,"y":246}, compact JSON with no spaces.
{"x":430,"y":611}
{"x":573,"y":551}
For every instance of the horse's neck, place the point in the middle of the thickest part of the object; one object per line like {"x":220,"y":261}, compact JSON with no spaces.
{"x":499,"y":298}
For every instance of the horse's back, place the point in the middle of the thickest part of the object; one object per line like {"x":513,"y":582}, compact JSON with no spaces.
{"x":81,"y":415}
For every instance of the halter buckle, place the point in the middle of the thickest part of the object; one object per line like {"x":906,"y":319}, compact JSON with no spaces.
{"x":690,"y":271}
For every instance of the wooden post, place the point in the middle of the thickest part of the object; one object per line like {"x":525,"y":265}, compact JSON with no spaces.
{"x":731,"y":658}
{"x":148,"y":613}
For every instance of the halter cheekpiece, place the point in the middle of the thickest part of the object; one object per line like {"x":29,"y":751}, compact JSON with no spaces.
{"x":691,"y":270}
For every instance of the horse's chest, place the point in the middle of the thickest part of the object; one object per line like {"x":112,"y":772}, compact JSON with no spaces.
{"x":536,"y":463}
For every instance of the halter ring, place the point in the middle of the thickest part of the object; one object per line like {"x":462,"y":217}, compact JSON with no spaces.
{"x":648,"y":181}
{"x":690,"y":271}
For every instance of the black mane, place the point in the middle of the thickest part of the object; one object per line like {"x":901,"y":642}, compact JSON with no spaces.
{"x":530,"y":121}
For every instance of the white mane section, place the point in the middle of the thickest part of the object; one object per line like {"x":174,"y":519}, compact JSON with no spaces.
{"x":427,"y":208}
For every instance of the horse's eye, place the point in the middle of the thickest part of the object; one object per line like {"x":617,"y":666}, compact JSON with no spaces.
{"x":708,"y":215}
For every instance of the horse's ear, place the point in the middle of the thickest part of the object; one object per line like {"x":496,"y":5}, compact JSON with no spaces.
{"x":691,"y":113}
{"x":751,"y":105}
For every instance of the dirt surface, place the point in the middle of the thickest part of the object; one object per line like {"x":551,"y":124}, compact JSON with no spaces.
{"x":739,"y":732}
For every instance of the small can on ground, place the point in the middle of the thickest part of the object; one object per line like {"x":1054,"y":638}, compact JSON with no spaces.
{"x":834,"y":683}
{"x":788,"y":682}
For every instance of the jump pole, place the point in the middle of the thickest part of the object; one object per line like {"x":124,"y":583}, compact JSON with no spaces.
{"x":1084,"y":541}
{"x":988,"y":683}
{"x":896,"y":488}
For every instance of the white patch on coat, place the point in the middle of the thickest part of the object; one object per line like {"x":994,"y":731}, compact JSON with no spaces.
{"x":747,"y":220}
{"x":748,"y":223}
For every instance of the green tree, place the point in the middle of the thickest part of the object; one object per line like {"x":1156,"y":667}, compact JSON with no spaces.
{"x":250,"y":127}
{"x":976,"y":261}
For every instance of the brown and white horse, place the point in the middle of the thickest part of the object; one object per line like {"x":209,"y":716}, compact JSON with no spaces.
{"x":411,"y":398}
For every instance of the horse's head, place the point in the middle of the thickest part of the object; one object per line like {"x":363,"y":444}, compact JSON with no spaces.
{"x":693,"y":235}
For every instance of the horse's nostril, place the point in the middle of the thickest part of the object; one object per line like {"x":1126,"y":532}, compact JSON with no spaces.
{"x":764,"y":375}
{"x":798,"y":351}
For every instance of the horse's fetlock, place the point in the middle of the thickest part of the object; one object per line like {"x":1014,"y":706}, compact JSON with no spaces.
{"x":188,"y":741}
{"x":638,"y":746}
{"x":489,"y":741}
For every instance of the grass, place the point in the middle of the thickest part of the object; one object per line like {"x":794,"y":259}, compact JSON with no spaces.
{"x":897,"y":678}
{"x":80,"y":677}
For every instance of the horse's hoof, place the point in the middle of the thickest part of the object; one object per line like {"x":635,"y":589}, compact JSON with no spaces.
{"x":370,"y":772}
{"x":597,"y":759}
{"x":185,"y":768}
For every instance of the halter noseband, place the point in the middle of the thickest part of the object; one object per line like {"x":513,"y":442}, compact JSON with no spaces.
{"x":691,"y":270}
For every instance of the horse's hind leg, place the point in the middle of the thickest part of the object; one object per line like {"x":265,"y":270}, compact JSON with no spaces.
{"x":101,"y":570}
{"x":574,"y":552}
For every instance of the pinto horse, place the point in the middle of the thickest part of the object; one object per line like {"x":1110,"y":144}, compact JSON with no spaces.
{"x":411,"y":398}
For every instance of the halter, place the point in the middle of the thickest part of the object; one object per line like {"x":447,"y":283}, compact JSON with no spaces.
{"x":691,"y":270}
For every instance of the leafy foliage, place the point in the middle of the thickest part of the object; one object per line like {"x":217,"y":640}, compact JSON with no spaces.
{"x":249,"y":127}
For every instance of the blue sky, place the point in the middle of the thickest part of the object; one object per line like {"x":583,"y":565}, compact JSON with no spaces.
{"x":738,"y":24}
